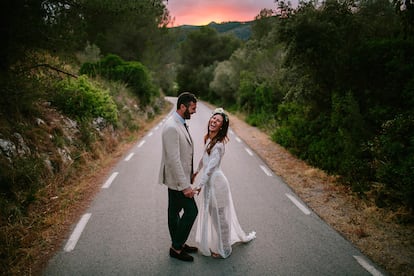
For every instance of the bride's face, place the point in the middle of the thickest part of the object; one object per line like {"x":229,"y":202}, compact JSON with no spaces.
{"x":215,"y":123}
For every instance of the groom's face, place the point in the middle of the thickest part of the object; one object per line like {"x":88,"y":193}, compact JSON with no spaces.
{"x":191,"y":109}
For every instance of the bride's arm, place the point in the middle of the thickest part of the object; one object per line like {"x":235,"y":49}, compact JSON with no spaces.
{"x":213,"y":163}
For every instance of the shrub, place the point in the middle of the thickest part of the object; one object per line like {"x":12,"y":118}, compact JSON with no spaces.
{"x":394,"y":151}
{"x":133,"y":73}
{"x":82,"y":100}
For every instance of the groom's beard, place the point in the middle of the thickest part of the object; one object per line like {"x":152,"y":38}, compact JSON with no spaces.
{"x":187,"y":114}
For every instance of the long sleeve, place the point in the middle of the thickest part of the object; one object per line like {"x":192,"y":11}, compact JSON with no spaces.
{"x":200,"y":165}
{"x":213,"y":163}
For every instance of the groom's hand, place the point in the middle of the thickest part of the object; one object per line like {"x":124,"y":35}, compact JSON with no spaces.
{"x":188,"y":192}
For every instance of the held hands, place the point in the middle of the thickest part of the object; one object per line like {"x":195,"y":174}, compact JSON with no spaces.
{"x":196,"y":190}
{"x":189,"y":192}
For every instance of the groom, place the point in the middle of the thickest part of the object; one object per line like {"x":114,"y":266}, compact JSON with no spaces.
{"x":176,"y":172}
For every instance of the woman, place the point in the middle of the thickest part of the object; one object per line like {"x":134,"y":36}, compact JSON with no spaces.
{"x":217,"y":227}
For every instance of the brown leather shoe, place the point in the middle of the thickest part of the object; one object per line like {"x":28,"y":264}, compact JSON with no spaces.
{"x":189,"y":249}
{"x":183,"y":256}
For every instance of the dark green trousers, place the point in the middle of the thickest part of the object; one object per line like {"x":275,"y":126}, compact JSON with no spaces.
{"x":180,"y":226}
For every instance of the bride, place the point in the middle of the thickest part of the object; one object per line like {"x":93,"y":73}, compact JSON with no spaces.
{"x":217,"y":227}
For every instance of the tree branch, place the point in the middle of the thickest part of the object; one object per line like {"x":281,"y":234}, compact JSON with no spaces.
{"x":49,"y":67}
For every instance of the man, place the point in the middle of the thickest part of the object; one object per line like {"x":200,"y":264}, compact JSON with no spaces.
{"x":176,"y":173}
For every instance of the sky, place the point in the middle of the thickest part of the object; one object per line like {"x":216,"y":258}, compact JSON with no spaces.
{"x":202,"y":12}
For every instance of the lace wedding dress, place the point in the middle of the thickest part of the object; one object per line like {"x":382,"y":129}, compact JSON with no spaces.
{"x":217,"y":225}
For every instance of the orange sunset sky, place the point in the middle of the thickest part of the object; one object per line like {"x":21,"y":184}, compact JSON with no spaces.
{"x":202,"y":12}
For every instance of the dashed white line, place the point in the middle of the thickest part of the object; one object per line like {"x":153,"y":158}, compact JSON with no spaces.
{"x":238,"y":139}
{"x":73,"y":240}
{"x":367,"y":266}
{"x":150,"y":134}
{"x":266,"y":171}
{"x":129,"y":156}
{"x":249,"y":151}
{"x":109,"y":181}
{"x":298,"y":204}
{"x":141,"y":143}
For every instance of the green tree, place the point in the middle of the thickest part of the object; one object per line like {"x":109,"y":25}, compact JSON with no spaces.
{"x":199,"y":54}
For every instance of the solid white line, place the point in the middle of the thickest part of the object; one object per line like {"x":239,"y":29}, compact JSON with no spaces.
{"x":298,"y":204}
{"x":150,"y":134}
{"x":249,"y":151}
{"x":129,"y":156}
{"x":140,"y":144}
{"x":238,"y":139}
{"x":109,"y":181}
{"x":73,"y":240}
{"x":367,"y":266}
{"x":266,"y":171}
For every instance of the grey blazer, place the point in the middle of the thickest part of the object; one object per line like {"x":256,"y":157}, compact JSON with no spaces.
{"x":177,"y":155}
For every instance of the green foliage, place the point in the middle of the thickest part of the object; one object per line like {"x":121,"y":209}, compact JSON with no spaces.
{"x":348,"y":83}
{"x":200,"y":53}
{"x":134,"y":74}
{"x":293,"y":126}
{"x":394,"y":153}
{"x":83,"y":100}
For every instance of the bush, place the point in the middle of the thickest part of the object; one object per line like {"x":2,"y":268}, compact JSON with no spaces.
{"x":82,"y":100}
{"x":133,"y":73}
{"x":394,"y":152}
{"x":293,"y":127}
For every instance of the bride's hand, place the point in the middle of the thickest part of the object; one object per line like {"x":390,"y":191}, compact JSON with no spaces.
{"x":197,"y":191}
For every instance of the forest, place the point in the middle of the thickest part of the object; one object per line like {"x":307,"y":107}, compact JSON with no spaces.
{"x":332,"y":82}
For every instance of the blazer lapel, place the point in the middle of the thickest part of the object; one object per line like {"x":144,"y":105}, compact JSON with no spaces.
{"x":184,"y":130}
{"x":187,"y":134}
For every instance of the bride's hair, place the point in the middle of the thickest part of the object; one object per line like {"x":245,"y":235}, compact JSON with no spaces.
{"x":221,"y":134}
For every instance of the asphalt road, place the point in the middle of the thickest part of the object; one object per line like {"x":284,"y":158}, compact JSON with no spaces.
{"x":124,"y":231}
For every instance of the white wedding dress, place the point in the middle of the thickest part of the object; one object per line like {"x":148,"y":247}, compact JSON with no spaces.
{"x":217,"y":225}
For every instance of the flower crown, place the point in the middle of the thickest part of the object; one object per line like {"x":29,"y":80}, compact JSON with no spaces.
{"x":220,"y":110}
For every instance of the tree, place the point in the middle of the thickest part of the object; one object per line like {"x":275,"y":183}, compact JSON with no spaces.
{"x":200,"y":53}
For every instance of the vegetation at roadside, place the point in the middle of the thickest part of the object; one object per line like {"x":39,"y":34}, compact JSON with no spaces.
{"x":57,"y":119}
{"x":332,"y":82}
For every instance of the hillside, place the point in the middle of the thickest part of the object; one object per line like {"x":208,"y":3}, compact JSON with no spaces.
{"x":241,"y":30}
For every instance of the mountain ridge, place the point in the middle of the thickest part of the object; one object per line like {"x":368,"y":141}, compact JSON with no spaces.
{"x":241,"y":30}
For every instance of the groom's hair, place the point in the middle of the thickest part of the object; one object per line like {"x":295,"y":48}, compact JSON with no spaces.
{"x":185,"y":98}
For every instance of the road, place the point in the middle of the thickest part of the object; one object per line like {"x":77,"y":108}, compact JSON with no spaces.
{"x":124,"y":231}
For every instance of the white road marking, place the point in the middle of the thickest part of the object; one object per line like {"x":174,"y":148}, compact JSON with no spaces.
{"x":150,"y":134}
{"x":266,"y":171}
{"x":156,"y":127}
{"x":73,"y":240}
{"x":129,"y":156}
{"x":140,"y":144}
{"x":249,"y":152}
{"x":238,"y":139}
{"x":367,"y":266}
{"x":109,"y":181}
{"x":298,"y":204}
